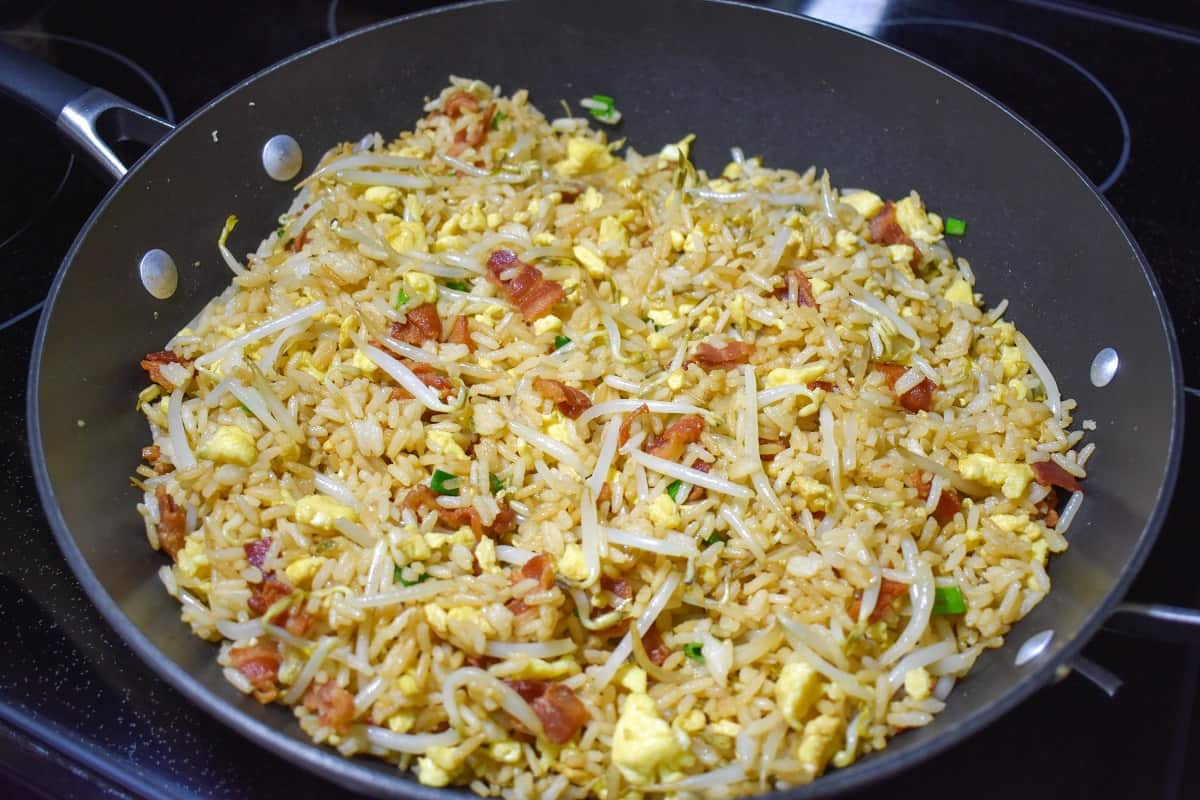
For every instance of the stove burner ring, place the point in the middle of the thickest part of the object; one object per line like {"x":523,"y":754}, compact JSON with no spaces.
{"x":1122,"y":119}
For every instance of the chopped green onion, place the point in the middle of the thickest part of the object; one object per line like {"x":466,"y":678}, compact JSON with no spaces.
{"x":955,"y":226}
{"x":604,"y":99}
{"x":458,"y":286}
{"x":401,"y":298}
{"x":245,"y":407}
{"x":496,"y":120}
{"x":716,"y":538}
{"x":561,"y":341}
{"x":495,"y":482}
{"x":692,"y":651}
{"x":948,"y":600}
{"x":287,"y":244}
{"x":440,"y":479}
{"x":673,"y":490}
{"x":398,"y":575}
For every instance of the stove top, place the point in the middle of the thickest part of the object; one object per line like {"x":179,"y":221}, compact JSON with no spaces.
{"x":80,"y":716}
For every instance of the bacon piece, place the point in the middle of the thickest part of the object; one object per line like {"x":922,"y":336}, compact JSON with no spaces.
{"x":947,"y":506}
{"x":516,"y":606}
{"x":626,"y":428}
{"x":561,"y":712}
{"x":617,"y":586}
{"x":297,"y":621}
{"x":918,"y":398}
{"x":420,"y":498}
{"x":421,"y":324}
{"x":299,"y":242}
{"x":656,"y":649}
{"x":335,"y":704}
{"x":731,"y":355}
{"x":260,"y":664}
{"x":172,"y":522}
{"x":460,"y":333}
{"x":886,"y":229}
{"x":154,"y":457}
{"x":567,"y":399}
{"x":505,"y":521}
{"x":676,"y":437}
{"x":948,"y":503}
{"x":824,"y":386}
{"x":698,"y":492}
{"x":428,"y":376}
{"x":889,"y":591}
{"x":153,"y":361}
{"x":1048,"y":508}
{"x":256,"y":551}
{"x":539,"y":568}
{"x":1047,"y":473}
{"x":266,"y":593}
{"x":527,"y":288}
{"x":804,"y":290}
{"x":529,"y":690}
{"x":459,"y":103}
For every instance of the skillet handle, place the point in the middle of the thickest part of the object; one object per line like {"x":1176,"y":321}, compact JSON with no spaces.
{"x":87,"y":117}
{"x":1154,"y":621}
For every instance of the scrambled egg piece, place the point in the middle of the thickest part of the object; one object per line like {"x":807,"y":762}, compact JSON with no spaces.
{"x":1041,"y":550}
{"x":1006,"y":332}
{"x":664,"y":512}
{"x":644,"y":745}
{"x":557,"y":427}
{"x":443,"y":442}
{"x":462,"y":536}
{"x":442,"y":621}
{"x":413,"y":546}
{"x":1011,"y":479}
{"x":364,"y":364}
{"x":661,"y":317}
{"x":491,"y":316}
{"x":1010,"y":522}
{"x":816,"y":494}
{"x":782,"y":376}
{"x":403,"y":235}
{"x":658,"y":342}
{"x":673,"y":153}
{"x":302,"y":570}
{"x":537,"y":669}
{"x":675,"y":379}
{"x":820,"y":286}
{"x":846,"y":242}
{"x":960,"y":292}
{"x":321,"y":512}
{"x":737,"y":310}
{"x":917,"y":683}
{"x":421,"y":288}
{"x":590,"y":200}
{"x":583,"y":156}
{"x":385,"y":196}
{"x":692,"y":722}
{"x":612,"y":232}
{"x":439,"y":766}
{"x":192,"y":560}
{"x":229,"y":445}
{"x":148,"y":394}
{"x":547,"y":324}
{"x":485,"y":554}
{"x":506,"y":751}
{"x":593,"y":261}
{"x":913,"y":219}
{"x":819,"y":742}
{"x":571,"y":564}
{"x":900,"y":253}
{"x":798,"y":688}
{"x":1012,"y":361}
{"x":677,"y":240}
{"x":866,"y":203}
{"x":401,"y":721}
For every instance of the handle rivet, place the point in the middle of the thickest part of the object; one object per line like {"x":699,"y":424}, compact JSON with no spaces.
{"x":1033,"y":647}
{"x":159,"y":274}
{"x":282,"y":157}
{"x":1104,"y":367}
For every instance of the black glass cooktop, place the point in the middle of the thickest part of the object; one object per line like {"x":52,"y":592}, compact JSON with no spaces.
{"x":80,"y":716}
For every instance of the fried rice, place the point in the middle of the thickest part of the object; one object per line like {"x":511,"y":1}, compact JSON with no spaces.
{"x":554,"y":472}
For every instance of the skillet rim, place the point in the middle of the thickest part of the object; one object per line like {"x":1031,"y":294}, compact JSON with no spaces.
{"x":357,"y":774}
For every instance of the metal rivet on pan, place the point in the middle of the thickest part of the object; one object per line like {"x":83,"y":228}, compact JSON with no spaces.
{"x":1034,"y":646}
{"x":159,"y":275}
{"x":1104,"y":366}
{"x":282,"y":158}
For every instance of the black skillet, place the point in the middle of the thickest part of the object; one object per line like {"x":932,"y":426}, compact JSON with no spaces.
{"x":797,"y":91}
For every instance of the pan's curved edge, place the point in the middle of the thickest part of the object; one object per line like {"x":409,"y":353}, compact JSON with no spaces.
{"x":355,"y":775}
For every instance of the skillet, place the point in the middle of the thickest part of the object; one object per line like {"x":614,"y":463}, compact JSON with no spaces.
{"x":795,"y":90}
